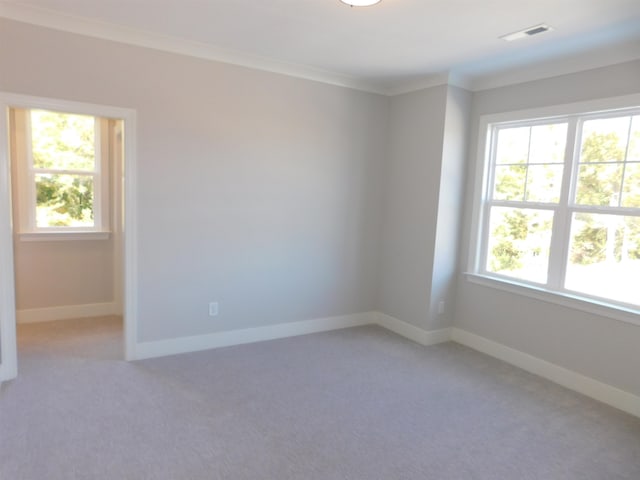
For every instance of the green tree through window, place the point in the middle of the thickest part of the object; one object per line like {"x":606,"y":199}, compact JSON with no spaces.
{"x":562,"y":206}
{"x":63,"y":150}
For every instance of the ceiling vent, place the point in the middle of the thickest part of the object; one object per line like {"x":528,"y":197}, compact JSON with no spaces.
{"x":527,"y":32}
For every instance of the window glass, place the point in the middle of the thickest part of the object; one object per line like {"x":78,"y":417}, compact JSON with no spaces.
{"x":544,"y":183}
{"x":510,"y":182}
{"x":631,"y":189}
{"x":529,"y":163}
{"x":63,"y":152}
{"x":565,"y":193}
{"x":513,"y":145}
{"x":548,"y":143}
{"x":599,"y":184}
{"x":64,"y":200}
{"x":604,"y":148}
{"x":604,"y":258}
{"x":62,"y":141}
{"x":519,"y":243}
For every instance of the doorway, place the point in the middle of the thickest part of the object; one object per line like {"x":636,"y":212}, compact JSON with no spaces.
{"x":69,"y":202}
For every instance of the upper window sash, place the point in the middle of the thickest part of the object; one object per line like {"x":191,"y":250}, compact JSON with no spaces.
{"x":625,"y":165}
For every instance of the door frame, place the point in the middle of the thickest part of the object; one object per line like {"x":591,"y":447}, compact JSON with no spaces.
{"x":8,"y":343}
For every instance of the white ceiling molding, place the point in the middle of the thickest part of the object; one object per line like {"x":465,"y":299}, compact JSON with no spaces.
{"x":565,"y":65}
{"x":435,"y":80}
{"x":115,"y":33}
{"x":475,"y":76}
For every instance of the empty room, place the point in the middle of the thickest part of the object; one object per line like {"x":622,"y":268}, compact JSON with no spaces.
{"x":319,"y":239}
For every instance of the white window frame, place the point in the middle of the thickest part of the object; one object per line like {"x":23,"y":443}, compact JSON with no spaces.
{"x":26,"y":172}
{"x":553,"y":291}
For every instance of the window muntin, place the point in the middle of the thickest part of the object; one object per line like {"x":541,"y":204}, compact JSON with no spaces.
{"x":528,"y":163}
{"x":562,"y":205}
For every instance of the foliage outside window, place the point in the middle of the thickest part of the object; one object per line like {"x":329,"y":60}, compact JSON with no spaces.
{"x":562,"y":206}
{"x":63,"y":177}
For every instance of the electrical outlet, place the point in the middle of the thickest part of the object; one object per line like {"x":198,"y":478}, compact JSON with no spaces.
{"x":213,"y":309}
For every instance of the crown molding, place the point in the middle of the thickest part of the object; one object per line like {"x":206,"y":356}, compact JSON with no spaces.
{"x":434,"y":80}
{"x":473,"y":81}
{"x":430,"y":81}
{"x":546,"y":70}
{"x":107,"y":31}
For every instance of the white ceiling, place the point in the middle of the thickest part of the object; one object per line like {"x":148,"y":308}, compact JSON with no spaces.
{"x":394,"y":46}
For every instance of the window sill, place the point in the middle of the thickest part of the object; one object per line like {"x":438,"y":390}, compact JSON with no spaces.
{"x":62,"y":236}
{"x":585,"y":304}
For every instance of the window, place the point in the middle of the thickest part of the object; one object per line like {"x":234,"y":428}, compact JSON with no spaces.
{"x":560,"y":207}
{"x":63,"y":181}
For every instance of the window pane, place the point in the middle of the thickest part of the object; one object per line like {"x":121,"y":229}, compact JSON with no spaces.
{"x":548,"y":143}
{"x":634,"y":140}
{"x":604,"y":258}
{"x":509,"y":184}
{"x":62,"y":141}
{"x":631,"y":189}
{"x":519,"y":243}
{"x":604,"y":140}
{"x":513,"y":145}
{"x":544,"y":183}
{"x":64,"y":200}
{"x":599,"y":184}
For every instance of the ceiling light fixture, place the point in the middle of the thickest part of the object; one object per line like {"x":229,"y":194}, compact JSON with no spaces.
{"x":360,"y":3}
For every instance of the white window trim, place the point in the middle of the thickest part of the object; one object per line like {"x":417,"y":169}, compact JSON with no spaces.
{"x":61,"y":236}
{"x":475,"y":273}
{"x":27,"y":229}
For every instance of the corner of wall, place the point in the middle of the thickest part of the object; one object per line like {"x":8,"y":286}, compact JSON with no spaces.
{"x":451,"y":195}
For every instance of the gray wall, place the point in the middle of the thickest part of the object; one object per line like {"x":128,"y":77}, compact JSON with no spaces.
{"x":595,"y":346}
{"x":424,"y":186}
{"x":411,"y":191}
{"x":257,"y":190}
{"x":450,"y":206}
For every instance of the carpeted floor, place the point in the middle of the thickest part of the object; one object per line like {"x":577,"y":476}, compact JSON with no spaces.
{"x":357,"y":404}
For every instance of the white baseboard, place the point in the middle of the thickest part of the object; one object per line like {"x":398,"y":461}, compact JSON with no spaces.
{"x":595,"y":389}
{"x":418,"y":335}
{"x":602,"y":392}
{"x":175,"y":346}
{"x":49,"y":314}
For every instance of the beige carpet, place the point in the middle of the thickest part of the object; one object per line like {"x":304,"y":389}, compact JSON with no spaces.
{"x":352,"y":404}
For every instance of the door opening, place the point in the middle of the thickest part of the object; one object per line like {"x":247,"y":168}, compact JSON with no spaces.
{"x":67,"y":180}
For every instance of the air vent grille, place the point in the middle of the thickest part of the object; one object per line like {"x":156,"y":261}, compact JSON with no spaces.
{"x":527,"y":32}
{"x":537,"y":30}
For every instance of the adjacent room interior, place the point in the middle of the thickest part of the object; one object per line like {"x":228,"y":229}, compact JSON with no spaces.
{"x":319,"y":240}
{"x":67,"y":205}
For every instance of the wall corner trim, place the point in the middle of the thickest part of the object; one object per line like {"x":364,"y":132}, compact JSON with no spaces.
{"x":65,"y":312}
{"x":612,"y":396}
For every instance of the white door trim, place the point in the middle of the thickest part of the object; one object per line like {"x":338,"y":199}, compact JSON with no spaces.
{"x":8,"y":360}
{"x":8,"y":347}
